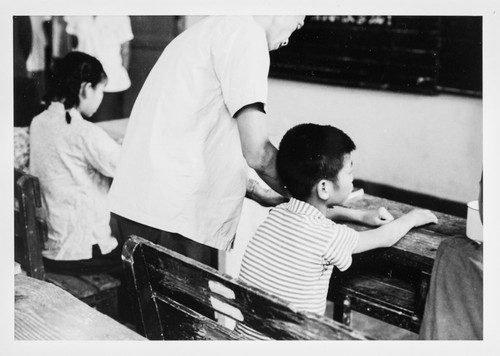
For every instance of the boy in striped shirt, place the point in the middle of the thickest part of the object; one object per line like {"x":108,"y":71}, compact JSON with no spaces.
{"x":293,"y":252}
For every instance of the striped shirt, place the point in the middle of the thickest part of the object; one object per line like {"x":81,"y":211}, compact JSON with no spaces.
{"x":293,"y":252}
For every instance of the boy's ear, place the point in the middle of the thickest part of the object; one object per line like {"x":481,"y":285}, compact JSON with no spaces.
{"x":323,"y":189}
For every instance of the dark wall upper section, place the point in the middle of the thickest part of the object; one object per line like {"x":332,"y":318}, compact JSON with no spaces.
{"x":426,"y":54}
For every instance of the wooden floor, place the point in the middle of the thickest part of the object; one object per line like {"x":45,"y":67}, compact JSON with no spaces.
{"x":376,"y":328}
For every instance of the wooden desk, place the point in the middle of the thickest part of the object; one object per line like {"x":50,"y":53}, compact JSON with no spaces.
{"x":46,"y":312}
{"x":418,"y":248}
{"x":391,"y":284}
{"x":115,"y":128}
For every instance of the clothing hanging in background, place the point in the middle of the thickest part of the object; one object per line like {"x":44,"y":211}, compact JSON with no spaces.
{"x":102,"y":37}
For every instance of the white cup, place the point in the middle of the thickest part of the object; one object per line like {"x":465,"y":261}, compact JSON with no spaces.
{"x":474,"y":227}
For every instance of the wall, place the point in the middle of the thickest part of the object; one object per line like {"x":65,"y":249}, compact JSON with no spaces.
{"x":426,"y":144}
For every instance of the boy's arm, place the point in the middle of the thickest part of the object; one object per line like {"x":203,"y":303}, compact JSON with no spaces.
{"x":388,"y":234}
{"x":372,"y":217}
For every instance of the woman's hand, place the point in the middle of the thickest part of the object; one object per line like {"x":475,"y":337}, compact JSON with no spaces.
{"x":265,"y":197}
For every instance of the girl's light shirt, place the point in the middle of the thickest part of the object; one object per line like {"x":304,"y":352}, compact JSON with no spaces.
{"x":102,"y":37}
{"x":182,"y":168}
{"x":73,"y":163}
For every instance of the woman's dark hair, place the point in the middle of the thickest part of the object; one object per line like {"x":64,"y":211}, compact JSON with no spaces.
{"x":68,"y":74}
{"x":309,"y":153}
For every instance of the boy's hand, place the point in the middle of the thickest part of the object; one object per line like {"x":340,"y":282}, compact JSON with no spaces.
{"x":421,"y":217}
{"x":377,"y":217}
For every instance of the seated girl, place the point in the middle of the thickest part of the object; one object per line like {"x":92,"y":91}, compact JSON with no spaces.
{"x":74,"y":160}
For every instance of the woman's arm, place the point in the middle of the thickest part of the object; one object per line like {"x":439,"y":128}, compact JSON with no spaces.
{"x":258,"y":151}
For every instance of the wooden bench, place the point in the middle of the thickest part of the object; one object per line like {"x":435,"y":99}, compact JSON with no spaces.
{"x":97,"y":290}
{"x":176,"y":298}
{"x":391,"y":284}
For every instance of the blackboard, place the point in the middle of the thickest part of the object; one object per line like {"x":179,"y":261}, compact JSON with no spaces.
{"x":422,"y":54}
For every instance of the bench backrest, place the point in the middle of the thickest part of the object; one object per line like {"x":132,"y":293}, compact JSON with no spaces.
{"x":175,"y":298}
{"x":28,"y":230}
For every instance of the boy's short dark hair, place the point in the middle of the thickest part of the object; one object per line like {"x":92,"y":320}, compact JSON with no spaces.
{"x":309,"y":153}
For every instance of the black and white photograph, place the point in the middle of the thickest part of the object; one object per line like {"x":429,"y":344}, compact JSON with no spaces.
{"x":292,"y":177}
